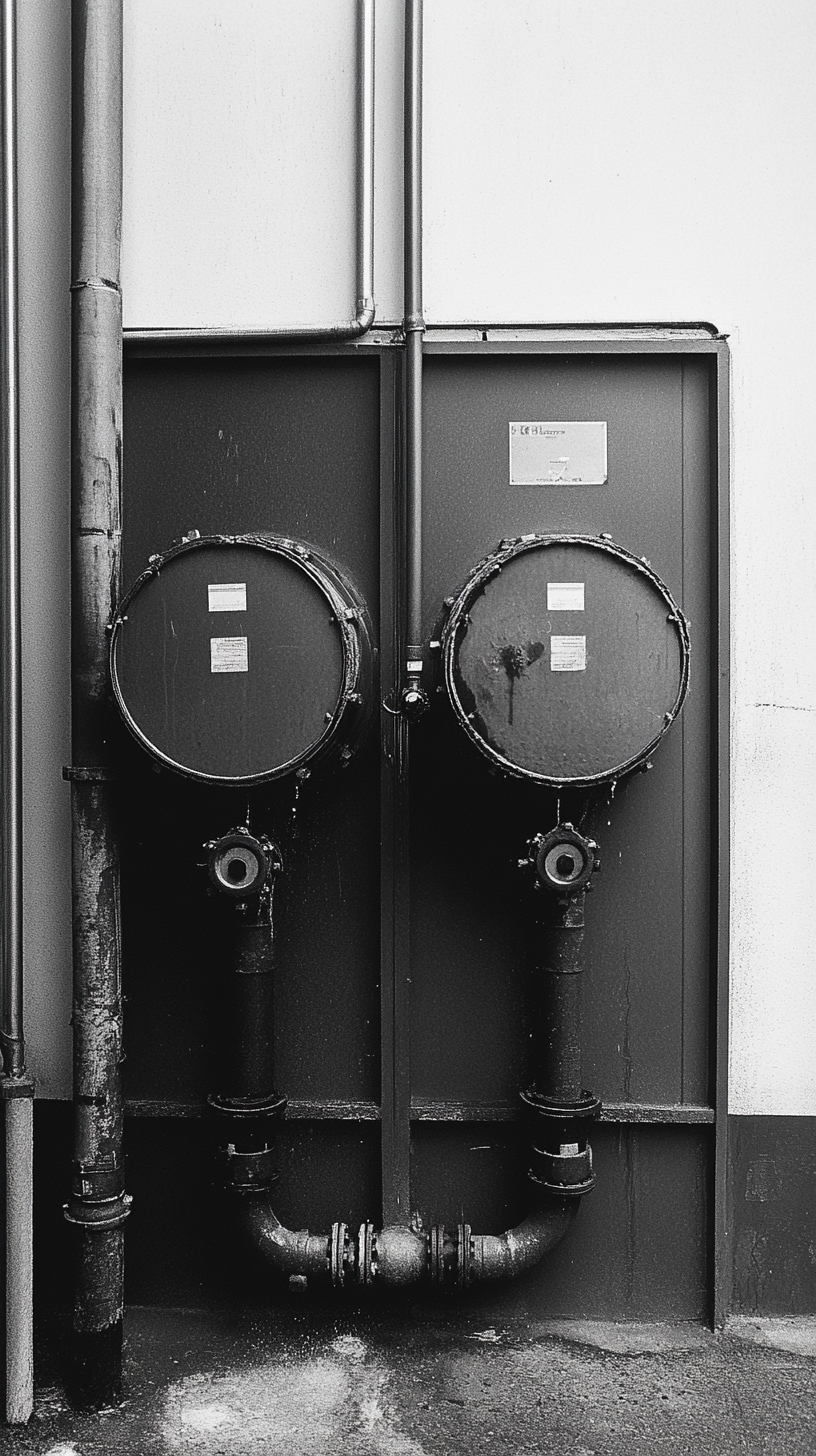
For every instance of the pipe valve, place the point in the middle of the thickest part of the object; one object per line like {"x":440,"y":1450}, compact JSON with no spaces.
{"x":564,"y":861}
{"x":240,"y":865}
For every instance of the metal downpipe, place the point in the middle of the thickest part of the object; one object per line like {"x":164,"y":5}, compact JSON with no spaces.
{"x":414,"y":701}
{"x":98,"y":1204}
{"x":363,"y":319}
{"x":16,"y":1088}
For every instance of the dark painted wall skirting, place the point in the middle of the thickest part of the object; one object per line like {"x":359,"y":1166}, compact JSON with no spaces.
{"x":772,"y":1214}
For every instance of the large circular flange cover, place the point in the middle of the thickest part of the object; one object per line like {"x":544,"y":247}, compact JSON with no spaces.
{"x":241,"y":659}
{"x":565,"y":659}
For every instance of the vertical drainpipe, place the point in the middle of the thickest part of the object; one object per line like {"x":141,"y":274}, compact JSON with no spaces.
{"x":98,"y":1204}
{"x":414,"y":700}
{"x":16,"y":1088}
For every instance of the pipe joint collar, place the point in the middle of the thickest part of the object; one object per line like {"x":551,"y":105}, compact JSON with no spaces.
{"x":250,"y":1172}
{"x":586,"y":1109}
{"x":273,"y":1105}
{"x":567,"y":1172}
{"x":102,"y":1214}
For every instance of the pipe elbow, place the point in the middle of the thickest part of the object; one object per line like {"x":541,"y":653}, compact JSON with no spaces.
{"x":364,"y":319}
{"x":284,"y":1250}
{"x":503,"y":1256}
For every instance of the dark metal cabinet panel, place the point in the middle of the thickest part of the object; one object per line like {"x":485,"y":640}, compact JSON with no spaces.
{"x":197,"y":1256}
{"x":647,"y":943}
{"x":238,"y":445}
{"x":638,"y":1248}
{"x":290,"y":446}
{"x":437,"y":933}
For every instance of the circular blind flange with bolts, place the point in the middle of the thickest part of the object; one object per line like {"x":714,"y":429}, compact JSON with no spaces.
{"x":239,"y":660}
{"x":565,"y":659}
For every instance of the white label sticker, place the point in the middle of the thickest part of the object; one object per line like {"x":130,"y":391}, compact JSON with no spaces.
{"x":558,"y":452}
{"x":229,"y":654}
{"x":227,"y":596}
{"x":568,"y":654}
{"x":565,"y":596}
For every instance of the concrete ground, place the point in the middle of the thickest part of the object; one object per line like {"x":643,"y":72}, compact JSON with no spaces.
{"x":417,"y":1382}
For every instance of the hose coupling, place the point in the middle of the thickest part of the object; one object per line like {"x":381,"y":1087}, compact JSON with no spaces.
{"x":563,"y":860}
{"x":241,"y":864}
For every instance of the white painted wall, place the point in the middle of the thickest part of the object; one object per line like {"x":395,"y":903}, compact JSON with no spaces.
{"x":44,"y":157}
{"x":240,"y":161}
{"x":585,"y":160}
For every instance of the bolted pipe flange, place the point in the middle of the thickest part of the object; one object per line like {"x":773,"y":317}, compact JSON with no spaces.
{"x":241,"y":864}
{"x":564,"y":860}
{"x":365,"y":1254}
{"x":464,"y":1250}
{"x":436,"y":1254}
{"x":341,"y":1254}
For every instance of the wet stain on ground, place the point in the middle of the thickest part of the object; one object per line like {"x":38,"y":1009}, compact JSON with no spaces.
{"x":306,"y":1383}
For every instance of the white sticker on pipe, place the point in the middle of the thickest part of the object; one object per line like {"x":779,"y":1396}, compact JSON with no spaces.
{"x":568,"y":654}
{"x":565,"y":596}
{"x":229,"y":654}
{"x":227,"y":596}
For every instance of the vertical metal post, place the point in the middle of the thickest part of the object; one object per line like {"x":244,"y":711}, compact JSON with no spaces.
{"x":16,"y":1088}
{"x":98,"y":1204}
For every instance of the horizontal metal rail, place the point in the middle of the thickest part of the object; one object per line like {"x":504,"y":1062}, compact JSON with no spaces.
{"x":429,"y":1110}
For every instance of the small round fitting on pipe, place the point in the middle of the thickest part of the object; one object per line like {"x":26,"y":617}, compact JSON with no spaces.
{"x":241,"y":865}
{"x":414,"y":701}
{"x":564,"y":860}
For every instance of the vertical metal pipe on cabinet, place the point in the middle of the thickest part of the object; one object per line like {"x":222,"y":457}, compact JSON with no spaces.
{"x":16,"y":1088}
{"x":414,"y":328}
{"x":558,"y":1023}
{"x":98,"y":1204}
